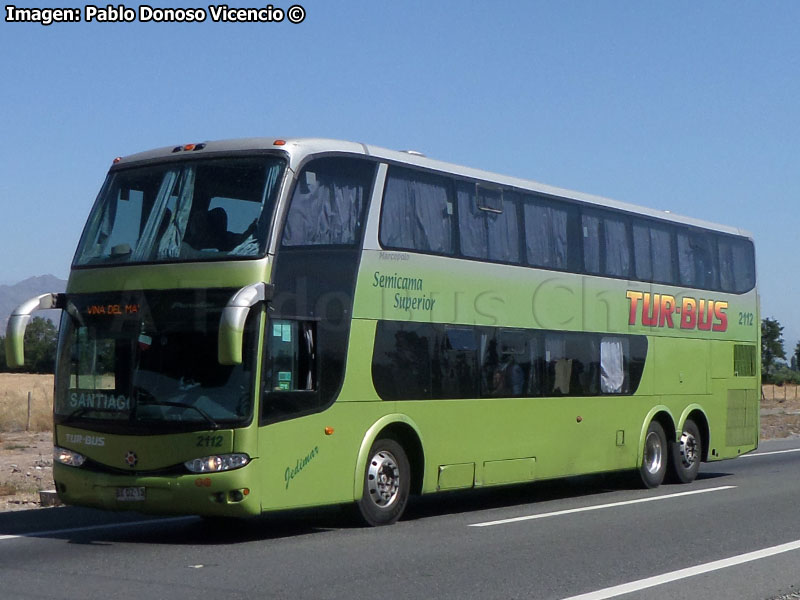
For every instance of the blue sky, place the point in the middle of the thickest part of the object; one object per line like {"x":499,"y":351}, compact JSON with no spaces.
{"x":686,"y":106}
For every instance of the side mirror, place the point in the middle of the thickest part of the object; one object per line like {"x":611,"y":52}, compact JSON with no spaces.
{"x":18,"y":323}
{"x":234,"y":315}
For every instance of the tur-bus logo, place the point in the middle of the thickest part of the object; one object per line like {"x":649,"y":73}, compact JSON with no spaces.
{"x":663,"y":310}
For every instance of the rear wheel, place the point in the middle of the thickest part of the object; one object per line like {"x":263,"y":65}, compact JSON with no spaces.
{"x":654,"y":458}
{"x":387,"y":481}
{"x":686,"y":454}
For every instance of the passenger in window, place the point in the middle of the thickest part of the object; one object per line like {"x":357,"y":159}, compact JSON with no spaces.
{"x":508,"y":379}
{"x":562,"y":375}
{"x":209,"y":231}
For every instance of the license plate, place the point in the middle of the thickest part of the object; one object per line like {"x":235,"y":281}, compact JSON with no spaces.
{"x":130,"y":494}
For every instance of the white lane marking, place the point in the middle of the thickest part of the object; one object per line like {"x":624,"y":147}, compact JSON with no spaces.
{"x":93,"y":528}
{"x":768,"y":453}
{"x":601,"y":506}
{"x":641,"y":584}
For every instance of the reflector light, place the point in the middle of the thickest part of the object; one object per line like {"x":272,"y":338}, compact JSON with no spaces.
{"x":329,"y":431}
{"x":188,"y":147}
{"x":116,"y":160}
{"x":279,"y":143}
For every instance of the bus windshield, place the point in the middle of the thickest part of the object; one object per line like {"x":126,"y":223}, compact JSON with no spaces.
{"x":149,"y":361}
{"x":182,"y":211}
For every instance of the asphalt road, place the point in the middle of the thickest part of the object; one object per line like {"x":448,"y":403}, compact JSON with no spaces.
{"x":732,"y":534}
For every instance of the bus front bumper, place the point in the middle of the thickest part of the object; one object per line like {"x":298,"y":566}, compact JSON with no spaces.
{"x":208,"y":494}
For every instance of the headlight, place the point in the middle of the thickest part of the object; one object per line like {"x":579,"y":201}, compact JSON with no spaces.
{"x":213,"y":464}
{"x":68,"y":457}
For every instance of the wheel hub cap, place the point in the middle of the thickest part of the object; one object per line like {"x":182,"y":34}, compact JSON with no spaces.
{"x":383,"y":479}
{"x":653,"y":453}
{"x":688,"y":447}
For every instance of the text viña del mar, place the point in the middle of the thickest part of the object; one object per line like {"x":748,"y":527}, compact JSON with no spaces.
{"x":144,"y":13}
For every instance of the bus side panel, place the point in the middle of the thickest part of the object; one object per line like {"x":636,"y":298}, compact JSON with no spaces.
{"x":310,"y":460}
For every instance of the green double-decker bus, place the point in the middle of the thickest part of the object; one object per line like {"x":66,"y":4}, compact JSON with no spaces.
{"x":264,"y":324}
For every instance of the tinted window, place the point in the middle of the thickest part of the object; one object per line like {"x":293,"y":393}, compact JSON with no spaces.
{"x":401,"y":362}
{"x":696,"y":260}
{"x":606,"y":247}
{"x":148,"y":359}
{"x":328,"y":203}
{"x":487,"y":223}
{"x":290,"y":373}
{"x":653,"y":253}
{"x":187,"y":211}
{"x":571,"y":364}
{"x":417,"y":212}
{"x":455,"y":362}
{"x":505,"y":363}
{"x":736,"y":264}
{"x":419,"y":361}
{"x":547,"y":234}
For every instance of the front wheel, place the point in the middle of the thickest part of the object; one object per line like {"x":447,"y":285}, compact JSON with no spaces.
{"x":686,"y":454}
{"x":654,"y":458}
{"x":387,"y":481}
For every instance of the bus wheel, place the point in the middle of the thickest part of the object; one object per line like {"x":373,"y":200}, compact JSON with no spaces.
{"x":686,"y":454}
{"x":387,"y":481}
{"x":654,"y":461}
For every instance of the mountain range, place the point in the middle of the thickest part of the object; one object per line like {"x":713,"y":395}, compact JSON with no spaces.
{"x":12,"y":296}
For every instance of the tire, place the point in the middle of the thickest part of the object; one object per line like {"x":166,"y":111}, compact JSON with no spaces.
{"x":654,"y":458}
{"x":686,"y":454}
{"x":387,"y":481}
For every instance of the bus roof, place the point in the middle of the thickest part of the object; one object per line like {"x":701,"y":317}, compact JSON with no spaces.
{"x":298,"y":149}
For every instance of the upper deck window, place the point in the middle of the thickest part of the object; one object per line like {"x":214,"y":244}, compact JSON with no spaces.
{"x":606,"y":249}
{"x":653,"y":254}
{"x":547,"y":236}
{"x":487,"y":223}
{"x":182,"y":211}
{"x":328,"y":203}
{"x":417,"y":212}
{"x":696,"y":260}
{"x":736,"y":264}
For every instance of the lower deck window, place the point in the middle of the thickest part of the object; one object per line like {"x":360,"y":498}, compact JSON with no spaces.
{"x":613,"y":377}
{"x":415,"y":361}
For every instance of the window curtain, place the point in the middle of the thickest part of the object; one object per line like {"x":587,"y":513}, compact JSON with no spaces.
{"x":612,"y":365}
{"x":591,"y":243}
{"x":487,"y":234}
{"x":148,"y":238}
{"x":618,"y":256}
{"x":652,"y":250}
{"x":546,"y":235}
{"x":325,"y":209}
{"x":642,"y":252}
{"x":417,"y":213}
{"x":170,"y":244}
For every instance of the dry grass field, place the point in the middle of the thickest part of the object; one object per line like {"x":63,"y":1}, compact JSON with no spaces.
{"x":14,"y":389}
{"x":26,"y":463}
{"x":780,"y":411}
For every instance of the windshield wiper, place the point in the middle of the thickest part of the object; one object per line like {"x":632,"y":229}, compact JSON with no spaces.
{"x":154,"y":402}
